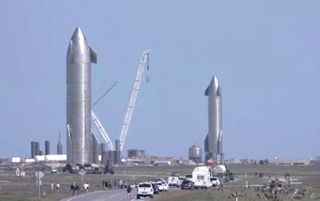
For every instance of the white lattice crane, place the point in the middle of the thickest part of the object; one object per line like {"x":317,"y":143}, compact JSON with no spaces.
{"x":144,"y":61}
{"x":102,"y":131}
{"x":98,"y":123}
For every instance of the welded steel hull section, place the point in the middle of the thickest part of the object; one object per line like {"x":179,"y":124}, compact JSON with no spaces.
{"x":79,"y":137}
{"x":213,"y":141}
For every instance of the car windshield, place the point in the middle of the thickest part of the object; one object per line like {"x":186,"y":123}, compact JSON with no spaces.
{"x":200,"y":177}
{"x":145,"y":185}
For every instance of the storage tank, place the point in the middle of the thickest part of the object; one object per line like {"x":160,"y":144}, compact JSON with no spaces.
{"x":219,"y":169}
{"x":117,"y":153}
{"x":195,"y":154}
{"x":47,"y":147}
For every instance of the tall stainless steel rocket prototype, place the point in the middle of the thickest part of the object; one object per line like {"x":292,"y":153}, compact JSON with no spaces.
{"x":79,"y":137}
{"x":213,"y":141}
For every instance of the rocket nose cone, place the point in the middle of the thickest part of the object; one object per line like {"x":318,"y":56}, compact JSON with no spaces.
{"x":215,"y":81}
{"x":216,"y":85}
{"x":77,"y":34}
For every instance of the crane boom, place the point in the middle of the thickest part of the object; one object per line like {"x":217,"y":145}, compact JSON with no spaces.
{"x":133,"y":97}
{"x":101,"y":129}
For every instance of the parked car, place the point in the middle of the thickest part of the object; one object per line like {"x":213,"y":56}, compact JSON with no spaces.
{"x":162,"y":184}
{"x":165,"y":186}
{"x":215,"y":181}
{"x":54,"y":170}
{"x":145,"y":190}
{"x":174,"y":181}
{"x":189,"y":177}
{"x":187,"y":184}
{"x":155,"y":187}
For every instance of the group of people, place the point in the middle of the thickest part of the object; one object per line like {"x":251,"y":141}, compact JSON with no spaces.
{"x":120,"y":184}
{"x":51,"y":184}
{"x":75,"y":188}
{"x":106,"y":184}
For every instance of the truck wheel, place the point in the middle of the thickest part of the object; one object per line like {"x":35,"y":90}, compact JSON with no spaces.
{"x":138,"y":197}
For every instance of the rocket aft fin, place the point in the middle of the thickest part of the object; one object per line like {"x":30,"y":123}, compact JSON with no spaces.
{"x":206,"y":144}
{"x":220,"y":142}
{"x":220,"y":136}
{"x":93,"y":55}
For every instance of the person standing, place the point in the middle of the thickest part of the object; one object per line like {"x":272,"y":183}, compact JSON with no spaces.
{"x":129,"y":191}
{"x":51,"y":185}
{"x":73,"y":188}
{"x":58,"y":187}
{"x":86,"y":186}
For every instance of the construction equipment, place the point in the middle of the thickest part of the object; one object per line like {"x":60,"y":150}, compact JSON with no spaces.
{"x":144,"y":61}
{"x":102,"y":131}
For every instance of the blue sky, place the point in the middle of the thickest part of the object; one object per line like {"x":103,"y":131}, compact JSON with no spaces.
{"x":265,"y":53}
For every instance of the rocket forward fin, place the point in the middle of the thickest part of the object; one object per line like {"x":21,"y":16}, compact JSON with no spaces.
{"x":93,"y":55}
{"x":206,"y":93}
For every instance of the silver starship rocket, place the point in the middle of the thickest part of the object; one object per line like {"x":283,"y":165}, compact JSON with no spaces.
{"x":79,"y":137}
{"x":213,"y":140}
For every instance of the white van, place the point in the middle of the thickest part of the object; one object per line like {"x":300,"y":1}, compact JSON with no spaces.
{"x":201,"y":177}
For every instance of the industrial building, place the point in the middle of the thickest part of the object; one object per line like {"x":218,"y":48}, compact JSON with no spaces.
{"x":136,"y":153}
{"x":111,"y":157}
{"x":213,"y":140}
{"x":47,"y":147}
{"x":34,"y":149}
{"x":59,"y":145}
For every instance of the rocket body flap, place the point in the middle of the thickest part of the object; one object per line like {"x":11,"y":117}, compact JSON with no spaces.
{"x":206,"y":92}
{"x":93,"y":55}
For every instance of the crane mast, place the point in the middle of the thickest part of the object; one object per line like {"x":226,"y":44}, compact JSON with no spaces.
{"x":133,"y":97}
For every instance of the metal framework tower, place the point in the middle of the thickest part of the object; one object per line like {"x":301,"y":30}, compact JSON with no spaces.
{"x":144,"y":61}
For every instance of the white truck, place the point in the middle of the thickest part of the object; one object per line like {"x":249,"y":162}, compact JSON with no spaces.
{"x":201,"y":177}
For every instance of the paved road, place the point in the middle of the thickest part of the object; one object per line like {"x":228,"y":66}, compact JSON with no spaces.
{"x":110,"y":195}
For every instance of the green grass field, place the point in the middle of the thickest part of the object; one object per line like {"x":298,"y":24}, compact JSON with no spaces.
{"x":14,"y":188}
